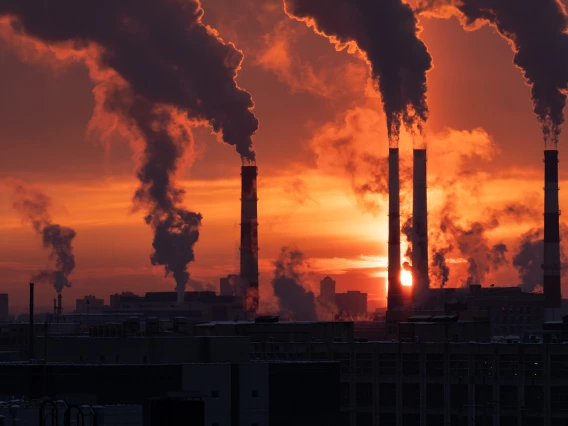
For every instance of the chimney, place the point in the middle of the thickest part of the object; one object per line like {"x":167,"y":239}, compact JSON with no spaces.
{"x":420,"y":280}
{"x":59,"y":310}
{"x":552,"y":266}
{"x":31,"y":323}
{"x":249,"y":238}
{"x":394,"y":297}
{"x":54,"y":306}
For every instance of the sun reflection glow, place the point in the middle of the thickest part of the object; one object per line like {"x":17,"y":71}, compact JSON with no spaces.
{"x":406,"y":278}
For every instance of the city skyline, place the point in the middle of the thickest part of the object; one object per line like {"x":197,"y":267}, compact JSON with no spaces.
{"x":487,"y":150}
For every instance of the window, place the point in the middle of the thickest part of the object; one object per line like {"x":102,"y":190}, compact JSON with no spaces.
{"x":533,"y":365}
{"x":410,"y":364}
{"x":345,"y":393}
{"x":508,"y":365}
{"x":255,"y":393}
{"x":509,"y":396}
{"x":483,"y":395}
{"x":434,"y":365}
{"x":459,"y":365}
{"x":215,"y":394}
{"x":387,"y":364}
{"x":534,"y":397}
{"x":458,"y":396}
{"x":364,"y":394}
{"x":410,"y":396}
{"x":387,"y":395}
{"x":484,"y":365}
{"x":344,"y":359}
{"x":363,"y":363}
{"x":434,"y":396}
{"x":559,"y":366}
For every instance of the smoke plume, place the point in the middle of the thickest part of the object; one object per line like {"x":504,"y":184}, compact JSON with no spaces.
{"x":439,"y":269}
{"x":472,"y":243}
{"x":528,"y":259}
{"x":407,"y":232}
{"x":537,"y":32}
{"x":158,"y":69}
{"x":386,"y":33}
{"x":293,"y":298}
{"x":34,"y":207}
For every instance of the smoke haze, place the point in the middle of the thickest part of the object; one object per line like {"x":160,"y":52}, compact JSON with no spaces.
{"x":294,"y":300}
{"x":34,"y":207}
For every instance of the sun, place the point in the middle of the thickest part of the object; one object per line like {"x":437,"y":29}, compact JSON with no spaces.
{"x":406,"y":278}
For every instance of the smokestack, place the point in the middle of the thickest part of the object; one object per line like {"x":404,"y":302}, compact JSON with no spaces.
{"x":394,"y":297}
{"x":420,"y":280}
{"x":31,"y":331}
{"x":249,"y":238}
{"x":54,"y":306}
{"x":551,"y":266}
{"x":59,"y":304}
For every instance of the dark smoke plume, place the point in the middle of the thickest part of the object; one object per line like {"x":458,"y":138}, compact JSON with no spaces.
{"x":158,"y":69}
{"x":529,"y":259}
{"x":439,"y":269}
{"x":34,"y":207}
{"x":293,"y":298}
{"x":537,"y":31}
{"x":407,"y":232}
{"x":386,"y":33}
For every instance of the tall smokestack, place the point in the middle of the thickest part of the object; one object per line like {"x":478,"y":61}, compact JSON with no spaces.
{"x":420,"y":281}
{"x":31,"y":331}
{"x":249,"y":238}
{"x":551,"y":266}
{"x":59,"y":310}
{"x":54,"y":306}
{"x":394,"y":298}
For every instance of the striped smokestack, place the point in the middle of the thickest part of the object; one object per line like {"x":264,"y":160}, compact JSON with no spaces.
{"x":551,"y":266}
{"x":394,"y":297}
{"x":420,"y":281}
{"x":249,"y":238}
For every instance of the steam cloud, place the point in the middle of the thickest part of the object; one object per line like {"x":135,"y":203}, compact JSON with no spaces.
{"x":158,"y":69}
{"x":386,"y":33}
{"x":537,"y":32}
{"x":473,"y":244}
{"x":34,"y":207}
{"x":293,"y":298}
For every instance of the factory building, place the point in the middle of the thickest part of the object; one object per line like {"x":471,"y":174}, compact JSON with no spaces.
{"x":197,"y":305}
{"x":260,"y":393}
{"x":352,"y":303}
{"x":89,"y":304}
{"x":4,"y":307}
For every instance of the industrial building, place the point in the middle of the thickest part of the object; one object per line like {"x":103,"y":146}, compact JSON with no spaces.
{"x":89,"y":304}
{"x":260,"y":393}
{"x":4,"y":307}
{"x":197,"y":305}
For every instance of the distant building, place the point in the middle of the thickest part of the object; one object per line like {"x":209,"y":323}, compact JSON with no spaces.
{"x":89,"y":304}
{"x":351,"y":303}
{"x":196,"y":306}
{"x":230,"y":286}
{"x":327,"y":289}
{"x":4,"y":310}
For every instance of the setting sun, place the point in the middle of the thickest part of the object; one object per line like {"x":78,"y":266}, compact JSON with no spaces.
{"x":406,"y":278}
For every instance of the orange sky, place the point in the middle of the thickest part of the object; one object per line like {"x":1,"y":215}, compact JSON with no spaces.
{"x":482,"y":134}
